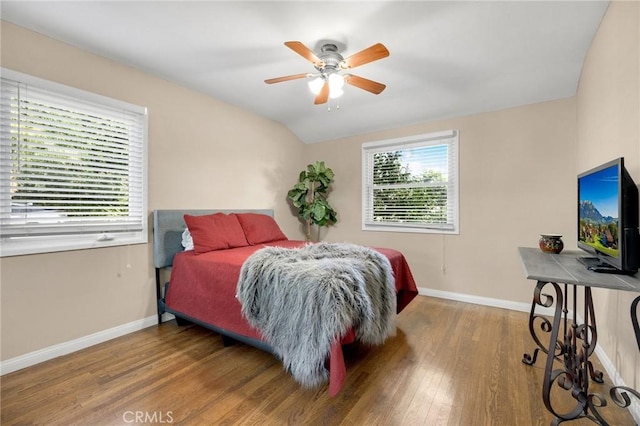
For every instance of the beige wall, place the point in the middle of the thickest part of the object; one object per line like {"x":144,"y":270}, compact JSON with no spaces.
{"x":203,"y":153}
{"x":516,"y":169}
{"x":608,"y":112}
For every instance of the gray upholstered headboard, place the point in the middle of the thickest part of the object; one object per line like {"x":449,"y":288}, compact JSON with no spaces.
{"x":168,"y":226}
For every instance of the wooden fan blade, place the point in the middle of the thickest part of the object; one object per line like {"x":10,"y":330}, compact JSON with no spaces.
{"x":285,"y":78}
{"x":370,"y":54}
{"x":323,"y":96}
{"x":304,"y":51}
{"x":365,"y":84}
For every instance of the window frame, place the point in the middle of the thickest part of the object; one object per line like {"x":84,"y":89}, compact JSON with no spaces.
{"x":451,"y":139}
{"x":23,"y":245}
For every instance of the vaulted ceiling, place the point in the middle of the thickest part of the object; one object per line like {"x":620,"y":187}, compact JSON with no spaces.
{"x":447,"y":58}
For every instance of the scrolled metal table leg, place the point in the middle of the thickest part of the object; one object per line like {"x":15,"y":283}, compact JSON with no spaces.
{"x":634,"y":319}
{"x":591,"y":328}
{"x":619,"y":395}
{"x":564,"y":377}
{"x":544,"y":300}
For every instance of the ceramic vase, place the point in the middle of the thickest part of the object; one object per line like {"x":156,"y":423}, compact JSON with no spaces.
{"x":551,"y":243}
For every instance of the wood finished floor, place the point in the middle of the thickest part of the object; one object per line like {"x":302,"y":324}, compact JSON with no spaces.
{"x":451,"y":363}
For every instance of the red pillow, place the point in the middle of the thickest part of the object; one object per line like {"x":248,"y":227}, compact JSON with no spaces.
{"x":260,"y":228}
{"x":233,"y":231}
{"x":215,"y":232}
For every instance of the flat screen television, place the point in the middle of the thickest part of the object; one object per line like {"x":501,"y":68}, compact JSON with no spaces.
{"x":608,"y":219}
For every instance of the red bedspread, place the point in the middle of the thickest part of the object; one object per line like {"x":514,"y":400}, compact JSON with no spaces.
{"x":203,"y":287}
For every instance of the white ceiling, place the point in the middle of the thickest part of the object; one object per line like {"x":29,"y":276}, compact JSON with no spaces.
{"x":447,"y":59}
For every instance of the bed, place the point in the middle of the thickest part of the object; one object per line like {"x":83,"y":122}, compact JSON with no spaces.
{"x":203,"y":285}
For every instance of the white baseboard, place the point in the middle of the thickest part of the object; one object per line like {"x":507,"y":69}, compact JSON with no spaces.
{"x":634,"y":409}
{"x":36,"y":357}
{"x":484,"y":301}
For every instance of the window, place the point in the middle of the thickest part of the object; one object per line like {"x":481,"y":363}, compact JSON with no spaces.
{"x":411,"y":184}
{"x":72,"y":168}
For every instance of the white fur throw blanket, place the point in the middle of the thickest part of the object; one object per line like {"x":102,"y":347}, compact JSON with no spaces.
{"x":303,"y":299}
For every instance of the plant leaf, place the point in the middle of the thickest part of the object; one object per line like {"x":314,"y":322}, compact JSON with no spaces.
{"x":308,"y":195}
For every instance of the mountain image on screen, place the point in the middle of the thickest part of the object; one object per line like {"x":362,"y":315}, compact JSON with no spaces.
{"x":599,"y":232}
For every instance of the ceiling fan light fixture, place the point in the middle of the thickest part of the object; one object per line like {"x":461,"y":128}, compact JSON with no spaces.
{"x":336,"y":83}
{"x":315,"y":85}
{"x":335,"y":93}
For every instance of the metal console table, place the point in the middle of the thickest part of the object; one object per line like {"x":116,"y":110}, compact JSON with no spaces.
{"x":571,"y":343}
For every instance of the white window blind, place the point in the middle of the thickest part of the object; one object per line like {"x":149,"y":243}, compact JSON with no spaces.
{"x":411,"y":184}
{"x":72,"y":163}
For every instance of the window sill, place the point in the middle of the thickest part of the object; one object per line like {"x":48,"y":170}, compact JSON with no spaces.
{"x":414,"y":230}
{"x":40,"y":245}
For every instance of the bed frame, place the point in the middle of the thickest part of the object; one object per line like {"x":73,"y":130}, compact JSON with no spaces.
{"x":168,"y":226}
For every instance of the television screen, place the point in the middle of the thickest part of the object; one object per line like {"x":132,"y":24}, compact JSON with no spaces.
{"x":598,"y":211}
{"x":608,"y":219}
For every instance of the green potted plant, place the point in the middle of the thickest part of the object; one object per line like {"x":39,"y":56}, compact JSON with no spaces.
{"x":309,"y":196}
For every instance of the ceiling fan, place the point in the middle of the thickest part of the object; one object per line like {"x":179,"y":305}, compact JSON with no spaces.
{"x":332,"y":69}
